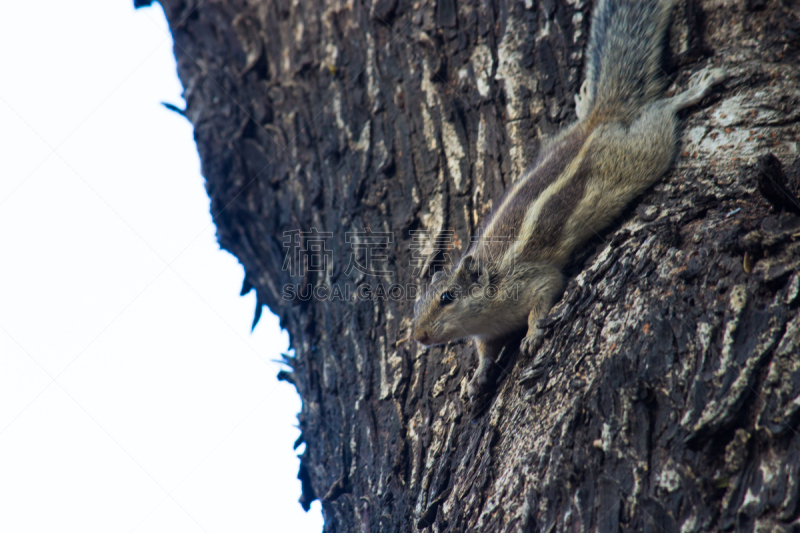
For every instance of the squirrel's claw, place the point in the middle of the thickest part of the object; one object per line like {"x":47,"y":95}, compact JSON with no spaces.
{"x":531,"y":343}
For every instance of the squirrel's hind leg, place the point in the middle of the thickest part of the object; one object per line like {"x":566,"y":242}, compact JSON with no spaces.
{"x":582,"y":101}
{"x":698,"y":89}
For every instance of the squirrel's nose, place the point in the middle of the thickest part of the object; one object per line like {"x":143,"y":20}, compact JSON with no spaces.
{"x":421,"y":336}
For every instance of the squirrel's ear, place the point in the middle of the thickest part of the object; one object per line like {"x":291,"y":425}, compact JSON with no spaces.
{"x":469,"y":263}
{"x":475,"y":270}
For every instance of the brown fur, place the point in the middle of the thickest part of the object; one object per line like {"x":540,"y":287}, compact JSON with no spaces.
{"x":622,"y":143}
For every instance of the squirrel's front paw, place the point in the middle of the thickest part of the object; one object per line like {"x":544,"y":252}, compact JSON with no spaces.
{"x":478,"y":385}
{"x":531,"y":343}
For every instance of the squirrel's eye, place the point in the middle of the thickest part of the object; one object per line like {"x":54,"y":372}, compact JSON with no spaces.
{"x":447,"y":297}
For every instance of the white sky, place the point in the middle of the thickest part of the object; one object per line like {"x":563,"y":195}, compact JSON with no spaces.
{"x":132,"y":395}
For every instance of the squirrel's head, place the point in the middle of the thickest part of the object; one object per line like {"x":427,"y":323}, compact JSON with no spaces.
{"x":454,"y":304}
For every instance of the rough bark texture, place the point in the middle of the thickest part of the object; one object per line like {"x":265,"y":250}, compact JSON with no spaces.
{"x":666,"y":396}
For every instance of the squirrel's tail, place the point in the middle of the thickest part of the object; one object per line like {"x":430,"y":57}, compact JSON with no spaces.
{"x":623,"y":63}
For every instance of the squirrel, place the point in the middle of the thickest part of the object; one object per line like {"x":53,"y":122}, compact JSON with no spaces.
{"x":621,"y":144}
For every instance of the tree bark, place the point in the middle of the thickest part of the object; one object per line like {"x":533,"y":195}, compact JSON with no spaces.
{"x":666,"y":396}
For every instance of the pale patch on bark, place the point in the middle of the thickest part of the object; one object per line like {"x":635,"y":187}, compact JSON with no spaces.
{"x":431,"y":103}
{"x":454,"y":153}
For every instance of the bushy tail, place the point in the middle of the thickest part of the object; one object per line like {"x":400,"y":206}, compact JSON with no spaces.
{"x":623,"y":63}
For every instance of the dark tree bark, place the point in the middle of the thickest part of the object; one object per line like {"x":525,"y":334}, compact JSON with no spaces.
{"x":666,"y":396}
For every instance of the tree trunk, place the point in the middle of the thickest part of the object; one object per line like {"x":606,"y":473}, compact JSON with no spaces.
{"x":666,"y":396}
